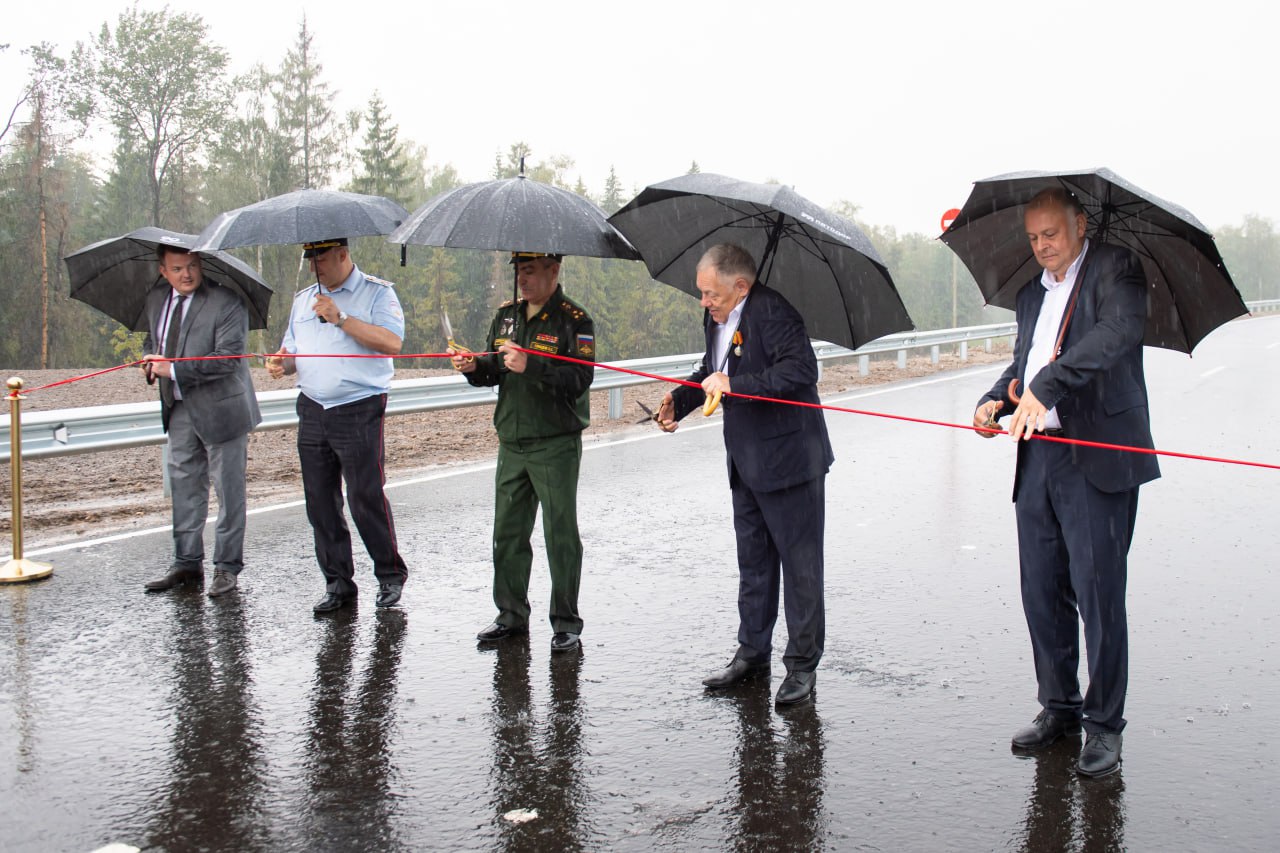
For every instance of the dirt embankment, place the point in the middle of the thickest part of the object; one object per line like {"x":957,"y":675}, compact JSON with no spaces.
{"x":86,"y":495}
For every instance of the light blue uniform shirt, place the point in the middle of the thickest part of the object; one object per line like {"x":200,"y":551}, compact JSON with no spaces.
{"x":338,"y":381}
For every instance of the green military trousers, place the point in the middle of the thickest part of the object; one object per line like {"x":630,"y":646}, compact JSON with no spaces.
{"x":530,"y":473}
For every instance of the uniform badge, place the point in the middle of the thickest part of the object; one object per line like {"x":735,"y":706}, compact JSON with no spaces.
{"x":587,"y":345}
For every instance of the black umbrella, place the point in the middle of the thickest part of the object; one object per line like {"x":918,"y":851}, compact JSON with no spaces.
{"x":1190,"y":292}
{"x":823,"y":263}
{"x":115,"y":276}
{"x":302,"y":216}
{"x":515,"y":215}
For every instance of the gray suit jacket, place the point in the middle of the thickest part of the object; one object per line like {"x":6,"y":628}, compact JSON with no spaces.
{"x":220,"y":392}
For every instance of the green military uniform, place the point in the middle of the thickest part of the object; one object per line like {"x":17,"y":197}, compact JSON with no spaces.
{"x":539,"y":418}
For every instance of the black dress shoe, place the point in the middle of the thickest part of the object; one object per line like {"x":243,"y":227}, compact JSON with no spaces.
{"x":1044,"y":730}
{"x":498,"y":631}
{"x":332,"y":601}
{"x":177,"y":576}
{"x":1101,"y":754}
{"x":223,"y":583}
{"x":562,"y":641}
{"x":737,"y":671}
{"x":796,"y":687}
{"x":388,"y":594}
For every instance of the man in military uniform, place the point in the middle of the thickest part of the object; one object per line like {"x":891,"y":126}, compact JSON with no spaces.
{"x":341,"y":409}
{"x":543,"y":406}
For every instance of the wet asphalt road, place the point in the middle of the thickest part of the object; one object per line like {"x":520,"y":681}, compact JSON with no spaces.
{"x":179,"y":723}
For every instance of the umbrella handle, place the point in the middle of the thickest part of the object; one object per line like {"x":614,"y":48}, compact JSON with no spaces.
{"x":709,"y":407}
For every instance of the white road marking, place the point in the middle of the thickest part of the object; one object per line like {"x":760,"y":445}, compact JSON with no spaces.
{"x":1215,"y":370}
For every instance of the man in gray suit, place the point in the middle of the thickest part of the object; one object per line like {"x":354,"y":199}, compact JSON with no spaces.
{"x":207,"y":408}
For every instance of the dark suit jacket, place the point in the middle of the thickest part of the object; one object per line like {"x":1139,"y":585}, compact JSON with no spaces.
{"x":772,"y":445}
{"x":218,"y":393}
{"x":1096,"y":383}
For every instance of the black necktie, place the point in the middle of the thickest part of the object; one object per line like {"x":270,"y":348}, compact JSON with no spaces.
{"x":171,"y":347}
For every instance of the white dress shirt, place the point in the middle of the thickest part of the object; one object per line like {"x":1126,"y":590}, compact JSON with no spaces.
{"x":724,"y":337}
{"x":165,"y":319}
{"x":1045,"y":337}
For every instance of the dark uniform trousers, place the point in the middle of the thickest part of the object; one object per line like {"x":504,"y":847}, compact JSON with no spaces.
{"x":1088,"y":532}
{"x":345,"y":444}
{"x":533,"y":472}
{"x":780,"y":540}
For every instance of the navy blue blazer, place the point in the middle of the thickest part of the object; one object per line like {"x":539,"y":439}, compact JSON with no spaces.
{"x":772,"y":445}
{"x":1096,"y":383}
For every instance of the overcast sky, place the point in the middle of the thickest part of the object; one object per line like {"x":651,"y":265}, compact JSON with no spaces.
{"x":894,"y":106}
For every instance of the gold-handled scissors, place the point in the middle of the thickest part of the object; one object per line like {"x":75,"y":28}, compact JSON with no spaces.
{"x":447,"y":328}
{"x":712,"y":403}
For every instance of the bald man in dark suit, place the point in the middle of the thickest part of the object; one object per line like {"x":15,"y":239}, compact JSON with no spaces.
{"x":778,"y":458}
{"x":1076,"y":373}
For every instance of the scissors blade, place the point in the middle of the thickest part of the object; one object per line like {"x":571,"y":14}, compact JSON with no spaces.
{"x":647,"y":411}
{"x":446,"y":327}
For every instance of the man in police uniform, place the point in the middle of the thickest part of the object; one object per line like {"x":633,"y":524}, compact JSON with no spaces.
{"x":340,"y":416}
{"x":543,"y":406}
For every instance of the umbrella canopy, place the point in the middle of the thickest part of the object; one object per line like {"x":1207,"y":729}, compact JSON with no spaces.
{"x":115,"y":276}
{"x":302,"y":216}
{"x":1189,"y":291}
{"x":822,"y":263}
{"x":515,"y":215}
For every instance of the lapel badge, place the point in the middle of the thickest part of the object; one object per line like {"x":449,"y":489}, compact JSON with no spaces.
{"x":737,"y":343}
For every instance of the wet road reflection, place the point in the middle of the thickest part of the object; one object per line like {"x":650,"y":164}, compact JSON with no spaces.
{"x":537,"y":763}
{"x":1067,"y":814}
{"x":215,"y":762}
{"x":351,"y":799}
{"x":779,"y":775}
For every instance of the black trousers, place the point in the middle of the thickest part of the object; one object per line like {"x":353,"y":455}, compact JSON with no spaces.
{"x":344,"y":444}
{"x":780,"y":543}
{"x":1073,"y":547}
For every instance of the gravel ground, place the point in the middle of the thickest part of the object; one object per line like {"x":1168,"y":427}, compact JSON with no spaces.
{"x":68,"y":497}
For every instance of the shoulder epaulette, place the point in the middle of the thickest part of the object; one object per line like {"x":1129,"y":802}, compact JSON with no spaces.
{"x":573,"y":310}
{"x":508,"y":303}
{"x":376,"y":280}
{"x":306,"y":291}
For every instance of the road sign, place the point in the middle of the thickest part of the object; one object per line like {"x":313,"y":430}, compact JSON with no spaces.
{"x":949,"y":217}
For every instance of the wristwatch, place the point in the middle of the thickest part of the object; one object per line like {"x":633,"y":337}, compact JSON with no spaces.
{"x":342,"y":318}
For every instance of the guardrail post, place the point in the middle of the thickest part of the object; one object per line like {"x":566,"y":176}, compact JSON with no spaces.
{"x":988,"y":345}
{"x":615,"y":403}
{"x":864,"y":365}
{"x":964,"y":350}
{"x":902,"y":359}
{"x":934,"y":355}
{"x":18,"y":569}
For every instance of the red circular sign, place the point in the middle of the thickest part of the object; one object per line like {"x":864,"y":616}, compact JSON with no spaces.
{"x":949,"y":217}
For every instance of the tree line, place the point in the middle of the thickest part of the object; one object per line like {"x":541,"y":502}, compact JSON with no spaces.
{"x":191,"y":141}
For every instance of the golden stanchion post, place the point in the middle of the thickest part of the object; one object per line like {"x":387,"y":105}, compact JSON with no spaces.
{"x":18,"y":569}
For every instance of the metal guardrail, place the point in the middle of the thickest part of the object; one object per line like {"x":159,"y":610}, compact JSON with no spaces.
{"x":63,"y":432}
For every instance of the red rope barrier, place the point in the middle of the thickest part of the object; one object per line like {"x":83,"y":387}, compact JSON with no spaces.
{"x":658,"y":378}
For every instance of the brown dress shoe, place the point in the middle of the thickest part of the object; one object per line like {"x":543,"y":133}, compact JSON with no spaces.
{"x":223,"y":583}
{"x":177,"y":576}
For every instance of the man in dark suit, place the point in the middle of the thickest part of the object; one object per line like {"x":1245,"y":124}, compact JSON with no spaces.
{"x":778,"y":458}
{"x":208,"y":409}
{"x":1076,"y":373}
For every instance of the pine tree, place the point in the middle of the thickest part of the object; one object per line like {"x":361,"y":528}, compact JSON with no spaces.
{"x":304,"y":105}
{"x":384,"y":170}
